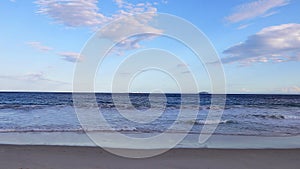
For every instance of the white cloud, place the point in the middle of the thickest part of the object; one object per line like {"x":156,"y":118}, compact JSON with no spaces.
{"x":39,"y":46}
{"x":78,"y":13}
{"x":71,"y":56}
{"x":272,"y":44}
{"x":72,"y":13}
{"x":115,"y":30}
{"x":255,"y":9}
{"x":120,"y":3}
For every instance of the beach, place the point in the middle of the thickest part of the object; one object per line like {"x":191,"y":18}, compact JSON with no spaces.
{"x":68,"y":157}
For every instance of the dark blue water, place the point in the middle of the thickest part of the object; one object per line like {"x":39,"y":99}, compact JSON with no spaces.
{"x":261,"y":115}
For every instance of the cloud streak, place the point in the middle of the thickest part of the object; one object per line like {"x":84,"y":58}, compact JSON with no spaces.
{"x":39,"y":46}
{"x":32,"y":81}
{"x":71,"y":56}
{"x":33,"y":77}
{"x":292,"y":89}
{"x":67,"y":56}
{"x":272,"y":44}
{"x":259,"y":8}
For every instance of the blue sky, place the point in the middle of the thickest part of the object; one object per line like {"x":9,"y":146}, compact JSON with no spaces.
{"x":258,"y":42}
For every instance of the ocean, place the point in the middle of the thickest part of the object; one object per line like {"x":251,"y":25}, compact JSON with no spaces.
{"x":244,"y":114}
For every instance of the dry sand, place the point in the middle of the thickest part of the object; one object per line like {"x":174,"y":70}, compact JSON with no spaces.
{"x":63,"y":157}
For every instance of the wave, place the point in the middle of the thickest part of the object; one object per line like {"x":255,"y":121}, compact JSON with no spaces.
{"x":81,"y":130}
{"x":264,"y":116}
{"x":19,"y":106}
{"x":39,"y":130}
{"x":292,"y":117}
{"x":210,"y":122}
{"x":215,"y":107}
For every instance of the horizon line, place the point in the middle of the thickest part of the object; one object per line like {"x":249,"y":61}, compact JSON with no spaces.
{"x":104,"y":92}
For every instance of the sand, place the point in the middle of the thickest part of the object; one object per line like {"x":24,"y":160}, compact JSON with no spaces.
{"x":64,"y":157}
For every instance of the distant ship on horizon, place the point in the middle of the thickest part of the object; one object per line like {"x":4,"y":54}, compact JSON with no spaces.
{"x":204,"y":92}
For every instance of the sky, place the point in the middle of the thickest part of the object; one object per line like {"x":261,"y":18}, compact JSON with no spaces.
{"x":257,"y":41}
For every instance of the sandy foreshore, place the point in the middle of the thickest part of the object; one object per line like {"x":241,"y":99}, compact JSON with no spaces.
{"x":64,"y":157}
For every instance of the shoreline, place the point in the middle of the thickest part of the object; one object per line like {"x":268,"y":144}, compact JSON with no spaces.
{"x":70,"y":157}
{"x":190,"y":141}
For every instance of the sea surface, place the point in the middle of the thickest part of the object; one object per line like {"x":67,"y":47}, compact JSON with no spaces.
{"x":246,"y":115}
